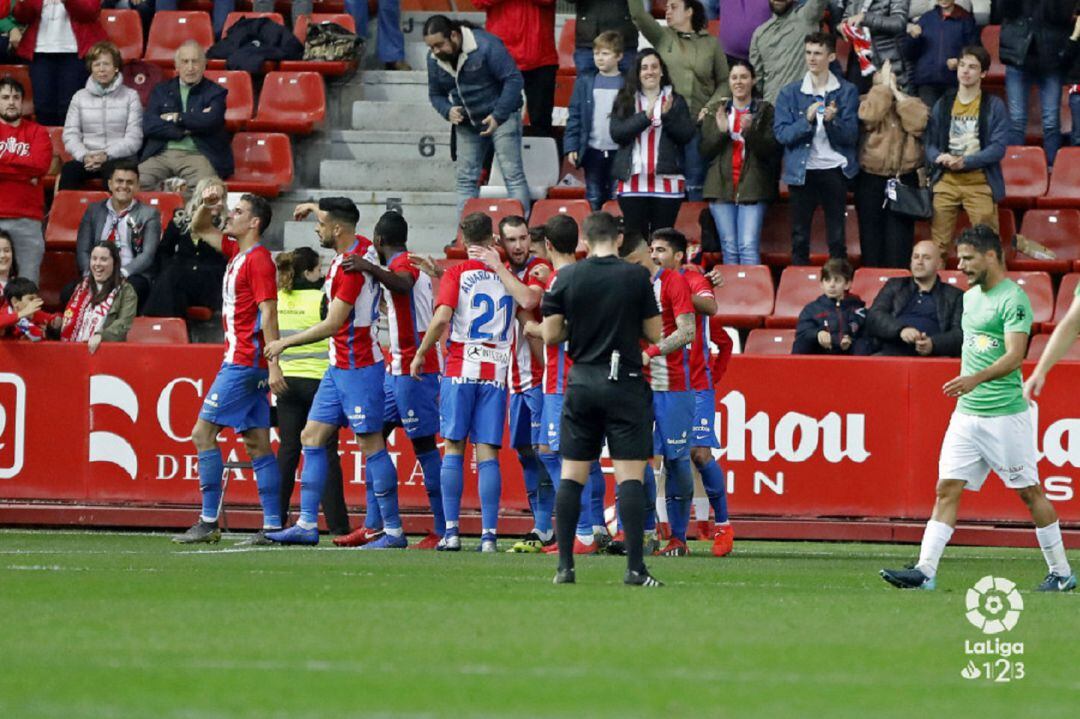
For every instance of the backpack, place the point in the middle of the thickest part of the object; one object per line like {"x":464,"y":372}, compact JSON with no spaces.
{"x":328,"y":41}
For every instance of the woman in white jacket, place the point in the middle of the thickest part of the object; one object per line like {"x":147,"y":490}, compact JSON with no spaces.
{"x":104,"y":120}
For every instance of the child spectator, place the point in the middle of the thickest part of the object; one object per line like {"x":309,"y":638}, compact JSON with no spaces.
{"x":21,"y":316}
{"x":833,"y":323}
{"x":587,"y":140}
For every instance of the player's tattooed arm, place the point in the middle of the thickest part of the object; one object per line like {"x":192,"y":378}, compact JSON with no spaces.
{"x":681,"y":337}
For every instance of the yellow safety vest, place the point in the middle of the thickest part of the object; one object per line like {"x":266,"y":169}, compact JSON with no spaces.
{"x":298,"y":310}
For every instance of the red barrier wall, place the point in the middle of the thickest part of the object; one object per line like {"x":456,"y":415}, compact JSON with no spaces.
{"x":801,"y":437}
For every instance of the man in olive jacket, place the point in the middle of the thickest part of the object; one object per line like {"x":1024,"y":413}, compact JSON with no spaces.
{"x":918,"y":315}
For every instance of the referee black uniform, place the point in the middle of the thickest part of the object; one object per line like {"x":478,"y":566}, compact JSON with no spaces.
{"x":605,"y":302}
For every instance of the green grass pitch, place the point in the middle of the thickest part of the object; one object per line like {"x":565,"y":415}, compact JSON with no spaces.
{"x":104,"y":625}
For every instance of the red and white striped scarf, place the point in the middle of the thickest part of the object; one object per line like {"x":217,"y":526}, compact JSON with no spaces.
{"x":859,"y":37}
{"x":646,"y":151}
{"x":82,"y":319}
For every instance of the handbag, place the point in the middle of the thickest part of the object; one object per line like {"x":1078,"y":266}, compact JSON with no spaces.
{"x":916,"y":202}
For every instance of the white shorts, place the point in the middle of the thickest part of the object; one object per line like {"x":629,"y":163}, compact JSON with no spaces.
{"x":974,"y":445}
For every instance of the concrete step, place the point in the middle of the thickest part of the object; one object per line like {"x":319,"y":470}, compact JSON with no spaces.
{"x":400,"y":174}
{"x":395,"y":86}
{"x":401,"y":117}
{"x":391,"y":146}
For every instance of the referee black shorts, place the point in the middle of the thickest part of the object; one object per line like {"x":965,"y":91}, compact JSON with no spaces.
{"x":596,"y":408}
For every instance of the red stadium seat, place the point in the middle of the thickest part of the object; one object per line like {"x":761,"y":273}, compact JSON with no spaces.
{"x":956,"y":278}
{"x":1006,"y":228}
{"x":612,"y":208}
{"x":22,"y":74}
{"x":769,"y":342}
{"x":799,"y":286}
{"x":1058,"y":231}
{"x":426,"y":6}
{"x":292,"y":102}
{"x":170,"y":29}
{"x":264,"y":163}
{"x":991,"y":35}
{"x":868,"y":281}
{"x":240,"y":102}
{"x":68,"y":207}
{"x":566,"y":48}
{"x":495,"y":208}
{"x":564,"y":90}
{"x":125,"y":30}
{"x":1065,"y":294}
{"x":1025,"y":174}
{"x":1040,"y":292}
{"x":332,"y":68}
{"x":166,"y":203}
{"x":745,"y":298}
{"x":543,"y":210}
{"x":58,"y":269}
{"x":568,"y":192}
{"x":1038,"y":345}
{"x":60,"y":155}
{"x":158,"y":331}
{"x":776,"y":237}
{"x":688,"y":220}
{"x":1064,"y":190}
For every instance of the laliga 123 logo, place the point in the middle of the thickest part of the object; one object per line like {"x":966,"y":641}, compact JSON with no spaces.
{"x":12,"y":424}
{"x":993,"y":606}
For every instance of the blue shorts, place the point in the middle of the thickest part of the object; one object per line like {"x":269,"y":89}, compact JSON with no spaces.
{"x":351,"y":398}
{"x":674,"y":413}
{"x":704,"y":431}
{"x":551,"y":420}
{"x":238,"y":398}
{"x":413,"y":403}
{"x":472,"y":409}
{"x":525,"y":410}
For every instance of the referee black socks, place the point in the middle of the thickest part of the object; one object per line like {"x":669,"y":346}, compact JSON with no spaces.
{"x":567,"y":511}
{"x":632,"y":516}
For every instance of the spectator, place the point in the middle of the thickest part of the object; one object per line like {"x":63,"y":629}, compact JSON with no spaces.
{"x":587,"y":140}
{"x":890,"y":151}
{"x":184,"y":125}
{"x":305,"y":7}
{"x":651,"y":123}
{"x":738,"y":143}
{"x":740,"y":19}
{"x":593,"y":17}
{"x":481,"y":99}
{"x":918,"y":8}
{"x":27,"y":158}
{"x":58,"y":33}
{"x":833,"y":323}
{"x":698,"y":67}
{"x":918,"y":315}
{"x":527,"y":28}
{"x":390,"y":41}
{"x":104,"y":120}
{"x":9,"y":264}
{"x":302,"y":304}
{"x":817,"y":122}
{"x":776,"y":48}
{"x":21,"y":316}
{"x":123,"y":221}
{"x":965,"y":141}
{"x":885,"y":21}
{"x":1033,"y":35}
{"x":933,"y":46}
{"x":10,"y":34}
{"x":103,"y":306}
{"x":190,"y":273}
{"x":1069,"y":55}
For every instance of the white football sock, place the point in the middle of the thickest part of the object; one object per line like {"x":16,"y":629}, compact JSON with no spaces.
{"x":306,"y":525}
{"x":586,"y":539}
{"x":395,"y":532}
{"x":544,"y":536}
{"x":701,"y":508}
{"x":1053,"y":549}
{"x":661,"y":508}
{"x":935,"y":537}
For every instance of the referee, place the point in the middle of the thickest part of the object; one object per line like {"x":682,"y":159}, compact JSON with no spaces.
{"x":602,"y":307}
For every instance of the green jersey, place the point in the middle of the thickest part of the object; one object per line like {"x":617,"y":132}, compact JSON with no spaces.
{"x":988,"y":316}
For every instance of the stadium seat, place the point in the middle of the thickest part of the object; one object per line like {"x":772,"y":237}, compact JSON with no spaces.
{"x":68,"y":207}
{"x":564,"y":90}
{"x":1006,"y":228}
{"x":332,"y":68}
{"x":775,"y":243}
{"x":1059,"y":232}
{"x":956,"y":278}
{"x":991,"y":36}
{"x":1040,"y":292}
{"x":22,"y":74}
{"x":158,"y":331}
{"x":612,"y":208}
{"x":746,"y":297}
{"x":264,"y":163}
{"x":688,"y":220}
{"x":1025,"y":174}
{"x":60,"y":155}
{"x":566,"y":48}
{"x":1038,"y":343}
{"x":170,"y":29}
{"x":58,"y":269}
{"x":125,"y":30}
{"x":291,"y":102}
{"x":868,"y":281}
{"x":426,"y":6}
{"x":543,"y":210}
{"x":1065,"y":294}
{"x":769,"y":342}
{"x":1064,"y":190}
{"x":540,"y":156}
{"x":799,"y":286}
{"x":574,"y":189}
{"x":166,"y":203}
{"x":240,"y":102}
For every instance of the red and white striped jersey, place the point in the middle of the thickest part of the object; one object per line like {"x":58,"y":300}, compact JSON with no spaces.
{"x":557,"y":362}
{"x":671,"y":373}
{"x":408,"y":315}
{"x":700,"y":364}
{"x":356,"y":342}
{"x":526,"y":369}
{"x":480,"y":329}
{"x":250,"y":278}
{"x":644,"y":156}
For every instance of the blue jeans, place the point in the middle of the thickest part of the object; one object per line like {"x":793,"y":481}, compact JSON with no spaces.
{"x":599,"y":185}
{"x":694,"y":168}
{"x":471,"y":150}
{"x":1018,"y":83}
{"x":739,"y":227}
{"x":389,"y":38}
{"x":584,"y":63}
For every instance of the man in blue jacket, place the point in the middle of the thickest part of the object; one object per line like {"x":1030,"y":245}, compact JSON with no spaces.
{"x":474,"y":83}
{"x":817,"y":122}
{"x":184,"y":126}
